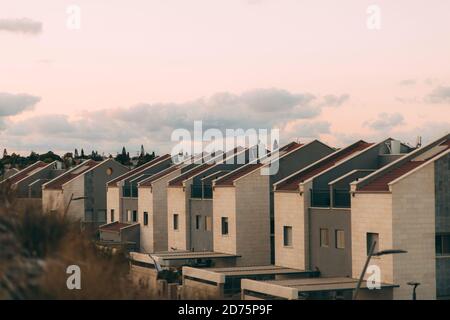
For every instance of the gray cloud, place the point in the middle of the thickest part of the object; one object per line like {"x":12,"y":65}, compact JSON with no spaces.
{"x":309,"y":129}
{"x":12,"y":104}
{"x":429,"y":131}
{"x":331,"y":100}
{"x":385,"y":121}
{"x":152,"y":124}
{"x":22,"y":25}
{"x":408,"y":82}
{"x":440,"y":94}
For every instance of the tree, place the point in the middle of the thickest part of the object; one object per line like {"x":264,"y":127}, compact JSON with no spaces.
{"x":5,"y":153}
{"x":142,"y":151}
{"x":76,"y":155}
{"x":82,"y":154}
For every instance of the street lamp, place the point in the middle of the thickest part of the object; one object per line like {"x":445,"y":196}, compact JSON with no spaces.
{"x":414,"y":285}
{"x":366,"y":265}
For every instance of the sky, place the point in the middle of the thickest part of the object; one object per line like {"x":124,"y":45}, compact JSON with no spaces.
{"x":136,"y":70}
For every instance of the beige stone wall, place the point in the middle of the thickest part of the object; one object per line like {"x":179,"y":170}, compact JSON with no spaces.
{"x":113,"y":203}
{"x":176,"y":204}
{"x":404,"y":220}
{"x":224,"y":205}
{"x":196,"y":290}
{"x":414,"y":230}
{"x":372,"y":212}
{"x":253,"y":219}
{"x":52,"y":200}
{"x":154,"y":236}
{"x":145,"y":204}
{"x":290,"y":211}
{"x":76,"y":209}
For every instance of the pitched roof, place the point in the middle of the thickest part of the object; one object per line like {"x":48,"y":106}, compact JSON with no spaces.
{"x":148,"y":182}
{"x":138,"y":170}
{"x":26,"y":172}
{"x":235,"y":174}
{"x":292,"y":182}
{"x":381,"y":182}
{"x":242,"y":171}
{"x":82,"y":168}
{"x":178,"y":181}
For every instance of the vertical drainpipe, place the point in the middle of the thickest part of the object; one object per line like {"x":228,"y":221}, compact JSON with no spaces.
{"x":188,"y":229}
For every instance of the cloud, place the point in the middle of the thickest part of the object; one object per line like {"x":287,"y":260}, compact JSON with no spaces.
{"x":331,"y":100}
{"x":307,"y":129}
{"x":408,"y":82}
{"x":109,"y":129}
{"x":440,"y":94}
{"x":13,"y":104}
{"x":23,"y":25}
{"x":385,"y":121}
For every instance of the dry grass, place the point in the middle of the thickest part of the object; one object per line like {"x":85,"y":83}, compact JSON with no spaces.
{"x":36,"y":248}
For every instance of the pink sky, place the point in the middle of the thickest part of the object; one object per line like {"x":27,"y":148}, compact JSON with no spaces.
{"x":165,"y":51}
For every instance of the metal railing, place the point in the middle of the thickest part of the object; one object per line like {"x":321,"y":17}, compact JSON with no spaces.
{"x":201,"y":191}
{"x":320,"y":198}
{"x":341,"y":198}
{"x":130,"y":191}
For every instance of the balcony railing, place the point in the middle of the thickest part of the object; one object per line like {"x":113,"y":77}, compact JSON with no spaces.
{"x":130,"y":191}
{"x":320,"y":198}
{"x":201,"y":191}
{"x":341,"y":198}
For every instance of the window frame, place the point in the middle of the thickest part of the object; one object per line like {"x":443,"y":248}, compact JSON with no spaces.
{"x":287,"y":236}
{"x":322,"y":244}
{"x":176,"y":222}
{"x":145,"y":218}
{"x":336,"y":239}
{"x":224,"y":222}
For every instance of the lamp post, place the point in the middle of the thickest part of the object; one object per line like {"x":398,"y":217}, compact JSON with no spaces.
{"x":366,"y":265}
{"x":414,"y":285}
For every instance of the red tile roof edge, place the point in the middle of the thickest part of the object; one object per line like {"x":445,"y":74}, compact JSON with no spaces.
{"x":22,"y":174}
{"x":228,"y":179}
{"x":292,"y":183}
{"x":178,"y":181}
{"x":67,"y":176}
{"x":148,"y":182}
{"x":381,"y":182}
{"x":137,"y":170}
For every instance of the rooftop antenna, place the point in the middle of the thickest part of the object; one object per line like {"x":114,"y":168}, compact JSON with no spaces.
{"x":419,"y":142}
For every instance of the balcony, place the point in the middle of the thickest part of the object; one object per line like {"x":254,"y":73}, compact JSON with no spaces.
{"x":201,"y":191}
{"x":130,"y":191}
{"x":320,"y":198}
{"x":341,"y":198}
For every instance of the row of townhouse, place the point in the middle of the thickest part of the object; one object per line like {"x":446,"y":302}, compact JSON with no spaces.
{"x":27,"y":183}
{"x":78,"y":193}
{"x":296,"y":223}
{"x":327,"y":215}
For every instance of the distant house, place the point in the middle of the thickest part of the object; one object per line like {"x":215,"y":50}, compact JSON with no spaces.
{"x":189,"y":201}
{"x":80,"y":193}
{"x":122,"y":191}
{"x":27,"y":183}
{"x":9,"y":173}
